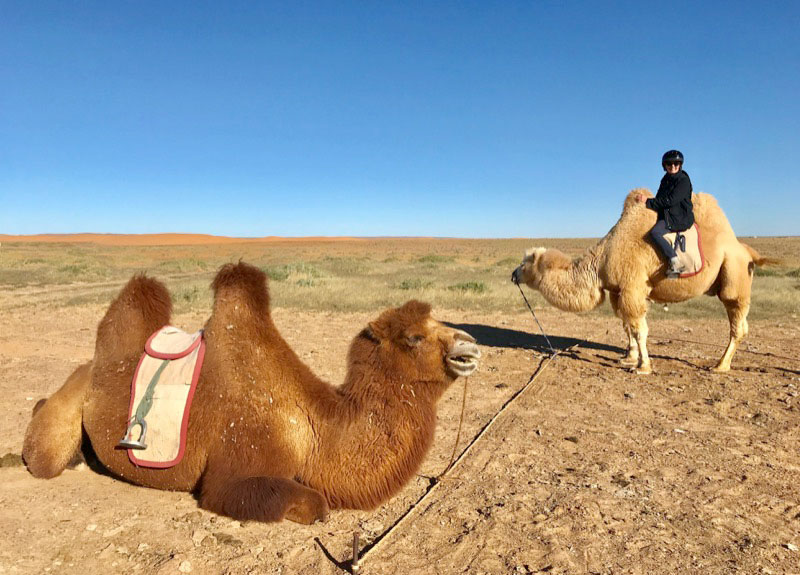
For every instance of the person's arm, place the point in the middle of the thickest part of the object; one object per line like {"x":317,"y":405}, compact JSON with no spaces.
{"x":682,"y":190}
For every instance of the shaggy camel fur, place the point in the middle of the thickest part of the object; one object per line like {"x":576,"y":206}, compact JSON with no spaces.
{"x":267,"y":439}
{"x":627,"y":265}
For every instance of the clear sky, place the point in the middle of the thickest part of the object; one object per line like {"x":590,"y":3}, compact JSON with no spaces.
{"x":466,"y":119}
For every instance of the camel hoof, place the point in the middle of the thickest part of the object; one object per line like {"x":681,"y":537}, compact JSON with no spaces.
{"x":642,"y":370}
{"x":629,"y":361}
{"x":720,"y":369}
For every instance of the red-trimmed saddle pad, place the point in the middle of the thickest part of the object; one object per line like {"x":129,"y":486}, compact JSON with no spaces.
{"x":174,"y":358}
{"x":689,"y":250}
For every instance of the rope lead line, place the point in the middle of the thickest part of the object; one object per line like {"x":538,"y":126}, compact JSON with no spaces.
{"x":458,"y":433}
{"x":436,"y":482}
{"x":552,"y":351}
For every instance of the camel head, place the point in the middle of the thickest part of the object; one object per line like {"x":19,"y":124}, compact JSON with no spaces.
{"x":530,"y":271}
{"x":416,"y":347}
{"x":568,"y":285}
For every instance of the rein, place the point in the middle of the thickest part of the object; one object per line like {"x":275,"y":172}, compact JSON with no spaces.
{"x":552,"y":351}
{"x":458,"y":434}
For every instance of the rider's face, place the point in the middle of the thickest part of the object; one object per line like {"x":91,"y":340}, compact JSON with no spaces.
{"x":672,"y":167}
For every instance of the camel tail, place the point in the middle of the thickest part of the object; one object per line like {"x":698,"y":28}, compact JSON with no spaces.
{"x":758,"y":259}
{"x":53,"y":436}
{"x":142,"y":307}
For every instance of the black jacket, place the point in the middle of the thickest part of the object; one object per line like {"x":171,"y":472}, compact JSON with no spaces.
{"x":673,"y":202}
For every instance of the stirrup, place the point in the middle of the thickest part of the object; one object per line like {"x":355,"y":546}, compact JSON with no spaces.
{"x":128,"y":442}
{"x":673,"y":274}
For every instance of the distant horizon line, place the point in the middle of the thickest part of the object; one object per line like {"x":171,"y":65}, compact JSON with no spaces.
{"x":179,"y":238}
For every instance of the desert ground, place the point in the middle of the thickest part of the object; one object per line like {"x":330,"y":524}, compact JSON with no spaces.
{"x":588,"y":469}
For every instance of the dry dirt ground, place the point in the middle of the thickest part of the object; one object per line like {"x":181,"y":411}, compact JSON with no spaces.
{"x":591,"y":470}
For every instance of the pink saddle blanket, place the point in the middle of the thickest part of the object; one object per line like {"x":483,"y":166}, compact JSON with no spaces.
{"x":161,"y":393}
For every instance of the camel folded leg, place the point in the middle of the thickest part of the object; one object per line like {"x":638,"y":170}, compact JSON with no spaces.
{"x":53,"y":436}
{"x":263,"y":499}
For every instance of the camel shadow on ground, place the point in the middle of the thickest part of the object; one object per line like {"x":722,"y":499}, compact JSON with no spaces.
{"x":492,"y":336}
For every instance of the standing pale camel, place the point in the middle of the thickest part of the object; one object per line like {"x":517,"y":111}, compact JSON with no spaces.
{"x":627,"y":265}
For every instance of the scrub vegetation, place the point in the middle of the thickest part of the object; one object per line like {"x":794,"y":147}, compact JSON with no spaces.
{"x":351,"y":275}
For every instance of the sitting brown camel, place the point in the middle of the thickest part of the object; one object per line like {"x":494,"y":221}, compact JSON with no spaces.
{"x":627,"y":265}
{"x":267,"y":439}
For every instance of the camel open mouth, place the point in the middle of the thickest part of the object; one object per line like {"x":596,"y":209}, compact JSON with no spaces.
{"x":463,"y":359}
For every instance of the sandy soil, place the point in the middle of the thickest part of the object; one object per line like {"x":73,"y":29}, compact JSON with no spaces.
{"x":591,"y":470}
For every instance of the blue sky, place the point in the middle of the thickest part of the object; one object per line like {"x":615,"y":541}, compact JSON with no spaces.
{"x":466,"y":119}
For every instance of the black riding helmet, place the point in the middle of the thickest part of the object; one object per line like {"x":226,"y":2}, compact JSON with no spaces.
{"x":672,"y":156}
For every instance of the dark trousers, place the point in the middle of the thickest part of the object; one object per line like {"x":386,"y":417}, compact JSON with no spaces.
{"x":657,"y":233}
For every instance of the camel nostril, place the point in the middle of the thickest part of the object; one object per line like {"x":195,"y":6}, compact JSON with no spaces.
{"x":464,"y":336}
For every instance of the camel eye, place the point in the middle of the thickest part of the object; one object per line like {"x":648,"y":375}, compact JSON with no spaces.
{"x":414,"y":340}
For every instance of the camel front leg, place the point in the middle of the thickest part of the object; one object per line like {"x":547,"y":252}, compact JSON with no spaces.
{"x":263,"y":499}
{"x":631,"y":357}
{"x":639,"y":334}
{"x":632,"y":308}
{"x":737,"y":317}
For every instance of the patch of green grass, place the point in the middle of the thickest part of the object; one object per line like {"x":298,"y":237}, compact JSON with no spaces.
{"x":305,"y":269}
{"x":16,"y":278}
{"x":346,"y":266}
{"x":183,"y":265}
{"x":436,"y":259}
{"x":76,"y":272}
{"x":769,"y":272}
{"x":73,"y":269}
{"x":507,"y":262}
{"x":103,"y":297}
{"x":277,"y":273}
{"x":281,"y":273}
{"x":413,"y":284}
{"x":795,"y":273}
{"x":187,"y":295}
{"x":474,"y":287}
{"x":308,"y":282}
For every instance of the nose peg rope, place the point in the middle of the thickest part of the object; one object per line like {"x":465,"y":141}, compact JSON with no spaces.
{"x":552,"y":351}
{"x":458,"y":433}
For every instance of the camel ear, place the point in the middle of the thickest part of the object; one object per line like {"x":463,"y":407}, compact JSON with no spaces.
{"x":369,"y":334}
{"x":375,"y":330}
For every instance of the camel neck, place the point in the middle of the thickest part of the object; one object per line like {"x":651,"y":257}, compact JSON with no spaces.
{"x":573,"y":287}
{"x":367,"y":450}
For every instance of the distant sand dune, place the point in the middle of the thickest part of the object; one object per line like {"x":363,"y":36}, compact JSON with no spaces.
{"x":162,"y":239}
